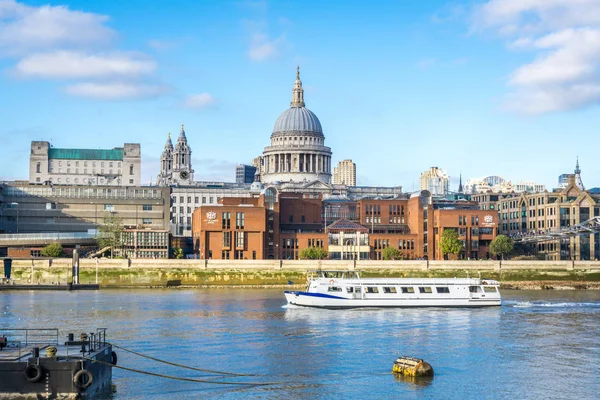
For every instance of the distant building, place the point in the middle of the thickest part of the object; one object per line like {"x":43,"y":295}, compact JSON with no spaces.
{"x":436,"y":181}
{"x":497,"y":184}
{"x":563,"y":180}
{"x":345,"y":173}
{"x":120,"y":166}
{"x":244,"y":173}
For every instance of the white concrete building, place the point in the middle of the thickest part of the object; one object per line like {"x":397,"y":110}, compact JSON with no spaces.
{"x":345,"y":173}
{"x":120,"y":166}
{"x":436,"y":181}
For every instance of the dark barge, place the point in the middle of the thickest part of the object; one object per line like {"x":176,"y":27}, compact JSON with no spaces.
{"x":34,"y":365}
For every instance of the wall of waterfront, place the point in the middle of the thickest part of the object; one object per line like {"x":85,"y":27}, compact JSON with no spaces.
{"x":150,"y":272}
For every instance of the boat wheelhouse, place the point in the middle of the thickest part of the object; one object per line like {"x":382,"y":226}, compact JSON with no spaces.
{"x":347,"y":289}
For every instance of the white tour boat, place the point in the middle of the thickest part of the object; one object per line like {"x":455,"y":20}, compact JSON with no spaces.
{"x":346,"y":289}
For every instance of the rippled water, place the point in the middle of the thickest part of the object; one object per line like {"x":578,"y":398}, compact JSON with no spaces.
{"x":541,"y":344}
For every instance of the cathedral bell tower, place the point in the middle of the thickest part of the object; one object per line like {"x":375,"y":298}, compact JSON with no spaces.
{"x":176,"y":162}
{"x":182,"y":174}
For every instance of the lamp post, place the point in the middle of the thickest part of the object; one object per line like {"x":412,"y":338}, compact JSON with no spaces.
{"x":16,"y":205}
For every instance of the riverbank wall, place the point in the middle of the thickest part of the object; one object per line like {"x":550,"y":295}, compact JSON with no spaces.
{"x":218,"y":273}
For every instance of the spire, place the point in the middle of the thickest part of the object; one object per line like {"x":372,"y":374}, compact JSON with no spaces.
{"x":578,"y":181}
{"x":460,"y":185}
{"x":169,"y":144}
{"x":182,"y":137}
{"x":297,"y":92}
{"x":577,"y":170}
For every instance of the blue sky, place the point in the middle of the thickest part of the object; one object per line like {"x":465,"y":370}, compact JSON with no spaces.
{"x":496,"y":87}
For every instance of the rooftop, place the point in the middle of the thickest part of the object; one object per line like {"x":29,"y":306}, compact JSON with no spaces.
{"x":86,"y":154}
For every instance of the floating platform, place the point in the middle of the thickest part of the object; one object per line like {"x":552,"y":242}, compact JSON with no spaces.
{"x":33,"y":365}
{"x":68,"y":286}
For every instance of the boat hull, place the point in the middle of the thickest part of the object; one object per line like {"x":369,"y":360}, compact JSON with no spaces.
{"x":318,"y":300}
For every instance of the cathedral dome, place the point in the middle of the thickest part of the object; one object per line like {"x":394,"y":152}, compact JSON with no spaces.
{"x":298,"y":119}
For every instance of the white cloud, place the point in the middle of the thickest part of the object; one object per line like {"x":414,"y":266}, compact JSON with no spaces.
{"x":116,"y":90}
{"x":564,"y":35}
{"x":200,"y":101}
{"x":263,"y":48}
{"x":69,"y":64}
{"x":24,"y":28}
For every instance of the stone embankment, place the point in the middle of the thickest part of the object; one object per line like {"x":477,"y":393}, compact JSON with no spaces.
{"x":277,"y":273}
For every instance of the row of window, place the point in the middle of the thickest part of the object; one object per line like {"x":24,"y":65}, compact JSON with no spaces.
{"x":237,"y":255}
{"x":111,"y":207}
{"x":391,"y":289}
{"x":462,"y":220}
{"x":211,"y":199}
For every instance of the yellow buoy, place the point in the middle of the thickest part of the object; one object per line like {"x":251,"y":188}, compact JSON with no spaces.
{"x":409,"y":366}
{"x":50,"y":351}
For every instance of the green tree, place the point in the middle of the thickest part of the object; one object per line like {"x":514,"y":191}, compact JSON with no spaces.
{"x":501,"y":245}
{"x":449,"y":244}
{"x":178,"y":253}
{"x":111,"y":233}
{"x":392,"y":253}
{"x":52,"y":250}
{"x":313,"y":253}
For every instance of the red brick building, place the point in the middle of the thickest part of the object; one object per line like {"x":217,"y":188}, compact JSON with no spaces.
{"x":280,"y":225}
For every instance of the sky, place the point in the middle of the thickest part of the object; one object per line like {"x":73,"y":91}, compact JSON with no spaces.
{"x":478,"y":88}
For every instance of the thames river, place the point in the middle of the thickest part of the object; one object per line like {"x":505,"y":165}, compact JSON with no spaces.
{"x":539,"y":344}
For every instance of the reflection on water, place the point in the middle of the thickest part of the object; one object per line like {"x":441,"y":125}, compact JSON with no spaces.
{"x":414,"y":382}
{"x":536,"y":345}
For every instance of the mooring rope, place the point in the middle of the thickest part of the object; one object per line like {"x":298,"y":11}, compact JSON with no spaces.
{"x":210,"y":371}
{"x":180,"y":378}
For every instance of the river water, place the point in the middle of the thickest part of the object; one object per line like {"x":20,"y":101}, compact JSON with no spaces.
{"x":539,"y":344}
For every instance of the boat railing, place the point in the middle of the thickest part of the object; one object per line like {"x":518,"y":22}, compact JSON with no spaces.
{"x":28,"y":336}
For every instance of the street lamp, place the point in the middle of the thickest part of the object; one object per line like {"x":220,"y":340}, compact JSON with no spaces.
{"x":16,"y":205}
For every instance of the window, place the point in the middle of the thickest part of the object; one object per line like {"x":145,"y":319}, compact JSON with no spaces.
{"x":131,"y":181}
{"x":109,"y":207}
{"x":291,"y":218}
{"x":408,"y":289}
{"x":226,"y":239}
{"x":196,"y":200}
{"x":226,"y":220}
{"x":389,"y":290}
{"x":425,"y":289}
{"x":490,"y":289}
{"x":50,"y":206}
{"x":203,"y":200}
{"x":38,"y":168}
{"x":189,"y":199}
{"x":371,"y":289}
{"x":239,"y":240}
{"x":225,"y":254}
{"x":442,"y":289}
{"x":131,"y":169}
{"x":334,"y":289}
{"x":147,"y":207}
{"x":254,"y":254}
{"x":239,"y":220}
{"x":147,"y":221}
{"x":181,"y":199}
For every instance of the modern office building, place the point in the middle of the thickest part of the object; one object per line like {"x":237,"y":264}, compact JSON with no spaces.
{"x":244,"y":173}
{"x":436,"y":181}
{"x":73,"y":214}
{"x":497,"y":184}
{"x":274,"y":224}
{"x":120,"y":166}
{"x":345,"y":173}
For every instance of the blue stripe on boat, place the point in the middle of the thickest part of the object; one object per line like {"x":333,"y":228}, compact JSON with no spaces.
{"x":318,"y":295}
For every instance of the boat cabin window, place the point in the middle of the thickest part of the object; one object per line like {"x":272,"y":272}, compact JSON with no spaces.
{"x":389,"y":290}
{"x":349,"y":289}
{"x":475,"y":289}
{"x":408,"y":289}
{"x":442,"y":289}
{"x":334,"y":289}
{"x":490,"y":289}
{"x":371,"y":289}
{"x":425,"y":289}
{"x":357,"y":289}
